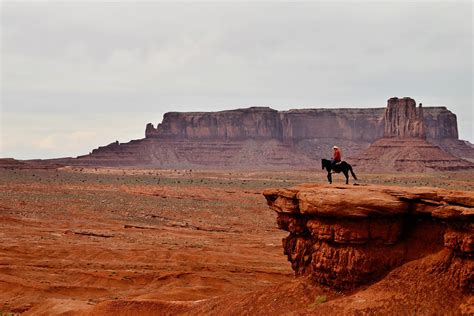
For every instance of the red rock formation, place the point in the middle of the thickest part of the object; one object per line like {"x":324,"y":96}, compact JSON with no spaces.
{"x":361,"y":125}
{"x":409,"y":155}
{"x":403,"y":119}
{"x":241,"y":124}
{"x":348,"y":236}
{"x":349,"y":124}
{"x":440,"y":123}
{"x":10,"y":163}
{"x":459,"y":148}
{"x":404,"y":147}
{"x":196,"y":154}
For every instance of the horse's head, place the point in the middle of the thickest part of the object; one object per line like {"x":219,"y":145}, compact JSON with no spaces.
{"x":322,"y":163}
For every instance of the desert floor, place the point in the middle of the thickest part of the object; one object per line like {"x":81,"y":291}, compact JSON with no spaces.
{"x":80,"y":236}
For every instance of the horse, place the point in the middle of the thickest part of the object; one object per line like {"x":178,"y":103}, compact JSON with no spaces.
{"x":343,"y":166}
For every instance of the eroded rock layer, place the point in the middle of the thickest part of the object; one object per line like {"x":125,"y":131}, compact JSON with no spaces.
{"x":196,"y":154}
{"x":363,"y":124}
{"x":404,"y":119}
{"x":348,"y":236}
{"x":405,"y":146}
{"x":408,"y":155}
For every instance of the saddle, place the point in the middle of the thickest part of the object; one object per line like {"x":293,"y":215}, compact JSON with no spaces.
{"x":337,"y":164}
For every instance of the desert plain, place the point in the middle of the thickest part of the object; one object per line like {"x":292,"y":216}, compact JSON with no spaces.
{"x":148,"y":241}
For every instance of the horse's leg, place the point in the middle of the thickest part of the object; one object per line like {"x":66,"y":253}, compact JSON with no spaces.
{"x":329,"y":177}
{"x":346,"y":174}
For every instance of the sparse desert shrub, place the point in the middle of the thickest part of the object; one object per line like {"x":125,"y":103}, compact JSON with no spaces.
{"x":320,"y":299}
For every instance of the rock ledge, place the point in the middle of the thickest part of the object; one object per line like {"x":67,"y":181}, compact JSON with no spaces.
{"x":348,"y":236}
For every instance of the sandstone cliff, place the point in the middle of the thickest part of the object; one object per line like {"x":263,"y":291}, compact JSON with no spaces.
{"x":364,"y":125}
{"x":404,"y":146}
{"x":403,"y":119}
{"x":197,"y":154}
{"x":345,"y":237}
{"x":240,"y":124}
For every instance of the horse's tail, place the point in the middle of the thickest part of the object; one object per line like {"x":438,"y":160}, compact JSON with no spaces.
{"x":352,"y":172}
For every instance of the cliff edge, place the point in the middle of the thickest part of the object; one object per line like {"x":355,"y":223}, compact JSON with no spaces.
{"x":345,"y":237}
{"x":355,"y":124}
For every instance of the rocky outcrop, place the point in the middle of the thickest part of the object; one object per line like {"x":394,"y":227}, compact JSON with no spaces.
{"x":196,"y":154}
{"x":403,"y":119}
{"x":240,"y":124}
{"x":404,"y":146}
{"x":440,"y":123}
{"x":360,"y":125}
{"x":345,"y":237}
{"x":459,"y":148}
{"x":10,"y":163}
{"x":407,"y":155}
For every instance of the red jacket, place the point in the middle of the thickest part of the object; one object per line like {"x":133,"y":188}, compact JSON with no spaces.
{"x":337,"y":155}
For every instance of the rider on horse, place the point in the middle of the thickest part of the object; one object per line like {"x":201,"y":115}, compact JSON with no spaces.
{"x":337,"y":165}
{"x":336,"y":156}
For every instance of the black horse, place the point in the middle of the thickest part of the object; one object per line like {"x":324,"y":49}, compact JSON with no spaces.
{"x":343,"y":166}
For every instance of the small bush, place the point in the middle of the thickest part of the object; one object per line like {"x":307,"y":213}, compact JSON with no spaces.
{"x":320,"y":299}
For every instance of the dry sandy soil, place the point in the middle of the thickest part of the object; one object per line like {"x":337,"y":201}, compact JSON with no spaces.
{"x":87,"y":240}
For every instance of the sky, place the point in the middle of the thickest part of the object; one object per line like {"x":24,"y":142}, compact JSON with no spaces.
{"x":76,"y":75}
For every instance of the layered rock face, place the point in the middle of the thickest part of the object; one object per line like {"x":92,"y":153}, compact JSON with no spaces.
{"x":196,"y":154}
{"x":362,"y":125}
{"x":403,"y":119}
{"x":10,"y":163}
{"x":407,"y":155}
{"x":241,"y":124}
{"x":348,"y":236}
{"x":405,"y":146}
{"x":440,"y":123}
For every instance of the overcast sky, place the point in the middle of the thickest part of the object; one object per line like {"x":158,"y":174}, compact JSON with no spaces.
{"x":77,"y":75}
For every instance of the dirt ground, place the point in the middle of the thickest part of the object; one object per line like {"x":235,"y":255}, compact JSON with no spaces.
{"x":75,"y":237}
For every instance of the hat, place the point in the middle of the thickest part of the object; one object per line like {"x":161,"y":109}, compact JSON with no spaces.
{"x":335,"y":147}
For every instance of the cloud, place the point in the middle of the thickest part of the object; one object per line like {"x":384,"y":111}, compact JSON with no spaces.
{"x":68,"y":142}
{"x":110,"y":57}
{"x":209,"y":48}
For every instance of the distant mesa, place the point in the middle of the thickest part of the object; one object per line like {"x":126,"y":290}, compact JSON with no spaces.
{"x":11,"y":163}
{"x":240,"y":124}
{"x":396,"y":137}
{"x":401,"y":118}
